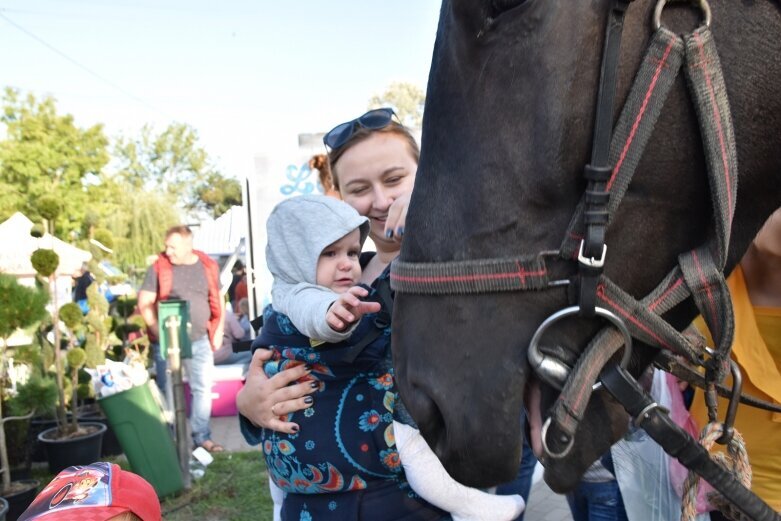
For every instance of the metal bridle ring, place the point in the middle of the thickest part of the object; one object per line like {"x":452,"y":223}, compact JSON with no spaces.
{"x":555,"y":372}
{"x":546,"y":450}
{"x":702,"y":4}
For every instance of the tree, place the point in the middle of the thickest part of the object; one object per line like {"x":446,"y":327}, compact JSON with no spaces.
{"x":19,"y":307}
{"x":139,"y":228}
{"x":173,"y":163}
{"x":406,"y":99}
{"x":217,"y":194}
{"x":46,"y":153}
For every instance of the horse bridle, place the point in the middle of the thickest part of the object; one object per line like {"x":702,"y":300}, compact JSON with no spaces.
{"x":699,"y":274}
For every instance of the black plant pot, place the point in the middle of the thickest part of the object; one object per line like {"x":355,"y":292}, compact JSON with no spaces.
{"x":74,"y":451}
{"x":37,"y":426}
{"x":19,"y":501}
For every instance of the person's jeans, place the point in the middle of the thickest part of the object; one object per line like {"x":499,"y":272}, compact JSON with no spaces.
{"x":161,"y":366}
{"x":597,"y":502}
{"x":200,"y":371}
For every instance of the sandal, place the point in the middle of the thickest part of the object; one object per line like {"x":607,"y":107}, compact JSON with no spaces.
{"x":212,"y":447}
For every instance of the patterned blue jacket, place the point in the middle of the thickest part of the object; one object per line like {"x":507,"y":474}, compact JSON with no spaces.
{"x":345,"y":442}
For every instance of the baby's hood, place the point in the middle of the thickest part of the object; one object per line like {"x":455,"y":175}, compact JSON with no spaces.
{"x":300,"y":228}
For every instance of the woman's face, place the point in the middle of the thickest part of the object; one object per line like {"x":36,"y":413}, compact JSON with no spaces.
{"x":373,"y":174}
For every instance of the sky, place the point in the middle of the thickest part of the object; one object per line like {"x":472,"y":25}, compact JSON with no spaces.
{"x":248,"y":75}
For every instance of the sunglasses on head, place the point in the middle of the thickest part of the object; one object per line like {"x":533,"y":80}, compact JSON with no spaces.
{"x":373,"y":120}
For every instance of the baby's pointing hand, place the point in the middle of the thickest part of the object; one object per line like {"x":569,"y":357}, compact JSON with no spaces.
{"x":349,"y":308}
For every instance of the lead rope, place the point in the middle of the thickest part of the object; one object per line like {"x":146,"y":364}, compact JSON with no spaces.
{"x":735,"y":461}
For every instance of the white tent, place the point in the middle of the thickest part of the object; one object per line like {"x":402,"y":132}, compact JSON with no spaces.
{"x":18,"y":245}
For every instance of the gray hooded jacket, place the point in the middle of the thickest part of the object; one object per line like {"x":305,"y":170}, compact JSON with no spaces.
{"x":298,"y":230}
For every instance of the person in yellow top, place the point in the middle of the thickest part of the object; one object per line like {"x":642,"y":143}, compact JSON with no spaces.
{"x":755,"y":286}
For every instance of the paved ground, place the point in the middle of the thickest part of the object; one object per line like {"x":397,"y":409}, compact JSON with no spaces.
{"x":544,"y":504}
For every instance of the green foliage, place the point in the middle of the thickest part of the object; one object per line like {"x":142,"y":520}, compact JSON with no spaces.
{"x":125,"y":306}
{"x":95,"y":352}
{"x":98,"y":305}
{"x":45,"y":153}
{"x":105,"y":237}
{"x":49,"y":207}
{"x":39,"y":393}
{"x":216,"y":195}
{"x":29,"y":355}
{"x":37,"y":231}
{"x":20,"y":306}
{"x":47,"y":356}
{"x":76,"y":358}
{"x":71,"y":315}
{"x":406,"y":99}
{"x":45,"y":261}
{"x":139,"y":228}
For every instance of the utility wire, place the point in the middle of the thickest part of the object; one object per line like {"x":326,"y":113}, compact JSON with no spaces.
{"x":79,"y":65}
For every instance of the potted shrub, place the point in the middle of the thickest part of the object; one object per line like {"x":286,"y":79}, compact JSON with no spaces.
{"x":69,"y":443}
{"x":19,"y":307}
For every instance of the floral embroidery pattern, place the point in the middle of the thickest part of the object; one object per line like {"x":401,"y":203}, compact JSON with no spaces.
{"x":391,"y":460}
{"x":369,"y":420}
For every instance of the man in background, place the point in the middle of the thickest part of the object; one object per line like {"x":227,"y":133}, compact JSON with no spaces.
{"x":180,"y":272}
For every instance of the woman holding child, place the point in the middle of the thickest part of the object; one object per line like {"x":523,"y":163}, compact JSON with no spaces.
{"x":373,"y":161}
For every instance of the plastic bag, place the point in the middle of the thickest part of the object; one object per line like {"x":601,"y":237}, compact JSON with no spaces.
{"x":649,"y":479}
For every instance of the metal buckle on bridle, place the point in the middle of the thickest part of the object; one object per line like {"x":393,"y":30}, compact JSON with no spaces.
{"x":556,"y":372}
{"x":592,"y":262}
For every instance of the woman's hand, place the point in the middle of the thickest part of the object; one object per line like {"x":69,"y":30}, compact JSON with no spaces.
{"x":397,"y":217}
{"x":266,"y":402}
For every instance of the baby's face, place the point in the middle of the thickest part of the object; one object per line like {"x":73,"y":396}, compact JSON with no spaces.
{"x":338,"y":267}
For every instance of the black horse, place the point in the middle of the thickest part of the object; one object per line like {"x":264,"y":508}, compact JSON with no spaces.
{"x":508,"y":125}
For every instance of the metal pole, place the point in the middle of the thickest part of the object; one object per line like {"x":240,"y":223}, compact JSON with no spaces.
{"x":180,"y":417}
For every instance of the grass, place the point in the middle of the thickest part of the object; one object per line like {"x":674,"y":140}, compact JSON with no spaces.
{"x":234,"y":488}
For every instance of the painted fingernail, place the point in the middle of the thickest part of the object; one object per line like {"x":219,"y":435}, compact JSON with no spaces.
{"x":294,"y":428}
{"x":309,"y":399}
{"x":389,"y":234}
{"x":314,"y":385}
{"x":400,"y":231}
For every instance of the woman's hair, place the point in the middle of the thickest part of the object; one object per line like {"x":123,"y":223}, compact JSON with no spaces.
{"x":319,"y":162}
{"x":362,"y":134}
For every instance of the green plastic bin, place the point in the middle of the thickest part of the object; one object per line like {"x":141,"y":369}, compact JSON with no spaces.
{"x":143,"y":434}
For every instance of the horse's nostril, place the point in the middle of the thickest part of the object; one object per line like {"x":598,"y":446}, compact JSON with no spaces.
{"x":430,"y":421}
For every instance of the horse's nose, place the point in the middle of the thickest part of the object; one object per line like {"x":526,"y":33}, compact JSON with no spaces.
{"x":429,"y":417}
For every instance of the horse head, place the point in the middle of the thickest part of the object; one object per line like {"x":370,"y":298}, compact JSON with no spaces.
{"x":508,"y":125}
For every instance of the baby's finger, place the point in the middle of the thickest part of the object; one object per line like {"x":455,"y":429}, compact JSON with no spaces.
{"x":343,"y":314}
{"x":358,"y":291}
{"x":368,"y":307}
{"x":334,"y":322}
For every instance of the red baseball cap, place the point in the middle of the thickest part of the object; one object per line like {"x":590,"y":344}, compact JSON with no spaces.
{"x":95,"y":492}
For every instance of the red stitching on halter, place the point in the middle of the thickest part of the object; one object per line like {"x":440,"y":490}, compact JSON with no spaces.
{"x":706,"y":286}
{"x":640,"y":114}
{"x":663,"y":296}
{"x":521,"y":274}
{"x":717,"y":117}
{"x":602,"y":295}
